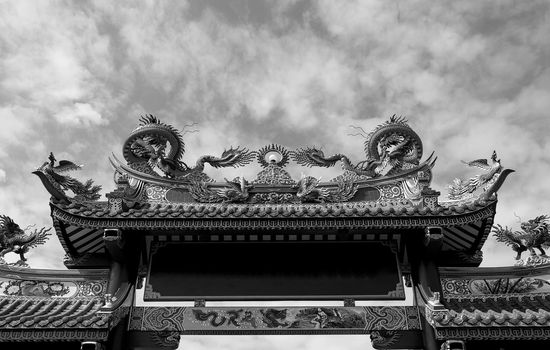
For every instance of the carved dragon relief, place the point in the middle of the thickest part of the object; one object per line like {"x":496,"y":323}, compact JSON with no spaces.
{"x":273,"y":158}
{"x":390,"y":148}
{"x":535,"y":235}
{"x":156,"y":146}
{"x":393,"y":154}
{"x":310,"y":191}
{"x":236,"y":191}
{"x":13,"y":239}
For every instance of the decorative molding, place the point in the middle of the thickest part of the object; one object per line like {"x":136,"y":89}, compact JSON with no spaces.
{"x":505,"y":286}
{"x":273,"y":198}
{"x":49,"y":335}
{"x":274,"y":175}
{"x":49,"y":288}
{"x":34,"y":288}
{"x":460,"y":315}
{"x":280,"y":320}
{"x":494,"y":333}
{"x":534,"y":260}
{"x":268,"y":218}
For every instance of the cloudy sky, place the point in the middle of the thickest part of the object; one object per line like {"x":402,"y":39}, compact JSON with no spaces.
{"x":471,"y":76}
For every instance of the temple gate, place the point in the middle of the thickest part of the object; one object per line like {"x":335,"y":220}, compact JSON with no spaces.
{"x":154,"y":261}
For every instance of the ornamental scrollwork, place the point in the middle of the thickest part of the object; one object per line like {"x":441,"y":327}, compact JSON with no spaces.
{"x":466,"y":288}
{"x":34,"y":288}
{"x":273,"y":198}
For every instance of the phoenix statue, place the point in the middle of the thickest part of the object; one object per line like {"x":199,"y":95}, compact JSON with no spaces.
{"x":57,"y":182}
{"x":489,"y":181}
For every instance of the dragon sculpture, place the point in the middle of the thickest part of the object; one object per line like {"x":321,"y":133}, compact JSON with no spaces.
{"x":237,"y":191}
{"x":390,"y":148}
{"x":14,"y":240}
{"x":154,"y":145}
{"x":53,"y":178}
{"x":308,"y":191}
{"x":490,"y":181}
{"x":535,"y":235}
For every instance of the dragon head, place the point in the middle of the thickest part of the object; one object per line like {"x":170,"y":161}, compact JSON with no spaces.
{"x":538,"y":225}
{"x":8,"y":227}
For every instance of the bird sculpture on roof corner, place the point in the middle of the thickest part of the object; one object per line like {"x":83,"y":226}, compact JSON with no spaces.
{"x":14,"y":239}
{"x":57,"y":183}
{"x":534,"y":234}
{"x":490,"y":181}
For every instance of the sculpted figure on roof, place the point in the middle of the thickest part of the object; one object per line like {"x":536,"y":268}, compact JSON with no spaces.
{"x":14,"y":240}
{"x":489,"y":182}
{"x":390,"y":148}
{"x":154,"y":145}
{"x":534,"y":234}
{"x":57,"y":182}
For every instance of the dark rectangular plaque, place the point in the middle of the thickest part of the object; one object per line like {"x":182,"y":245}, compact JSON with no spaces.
{"x":272,"y":270}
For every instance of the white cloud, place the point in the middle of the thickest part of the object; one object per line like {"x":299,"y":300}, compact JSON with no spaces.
{"x":80,"y":114}
{"x":3,"y":176}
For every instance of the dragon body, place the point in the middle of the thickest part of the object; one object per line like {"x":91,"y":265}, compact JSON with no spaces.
{"x":14,"y":240}
{"x":236,"y":192}
{"x":535,"y":235}
{"x":156,"y":145}
{"x":389,"y":148}
{"x":309,"y":191}
{"x":213,"y":317}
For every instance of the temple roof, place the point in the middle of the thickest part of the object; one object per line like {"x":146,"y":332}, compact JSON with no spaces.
{"x":39,"y":312}
{"x":57,"y":300}
{"x":503,"y":298}
{"x":156,"y":190}
{"x":518,"y":310}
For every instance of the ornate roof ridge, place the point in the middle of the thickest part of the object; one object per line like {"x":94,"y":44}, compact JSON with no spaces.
{"x":496,"y":272}
{"x":228,"y":210}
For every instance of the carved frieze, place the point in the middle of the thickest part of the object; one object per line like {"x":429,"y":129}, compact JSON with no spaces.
{"x":271,"y":320}
{"x":59,"y":289}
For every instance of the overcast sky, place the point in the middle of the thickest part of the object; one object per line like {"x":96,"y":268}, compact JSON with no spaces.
{"x":471,"y":76}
